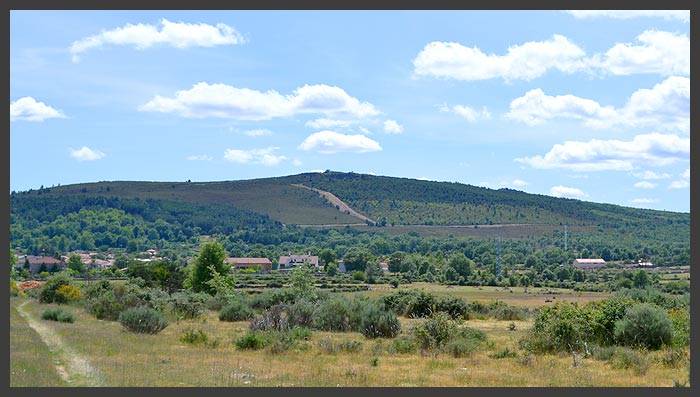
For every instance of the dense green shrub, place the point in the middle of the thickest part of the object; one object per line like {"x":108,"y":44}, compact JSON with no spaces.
{"x":403,"y":345}
{"x":143,"y":320}
{"x":602,"y":353}
{"x":680,"y":321}
{"x":453,"y":306}
{"x":332,"y":315}
{"x":562,"y":327}
{"x":67,"y":294}
{"x":48,"y":292}
{"x":435,"y":331}
{"x":644,"y":325}
{"x":236,"y":310}
{"x":502,"y":311}
{"x":194,"y":337}
{"x":252,"y":340}
{"x":379,"y":323}
{"x":104,"y":306}
{"x":188,"y":304}
{"x":269,"y":298}
{"x":604,"y":315}
{"x":629,"y":359}
{"x":301,"y":313}
{"x":329,"y":346}
{"x":57,"y":314}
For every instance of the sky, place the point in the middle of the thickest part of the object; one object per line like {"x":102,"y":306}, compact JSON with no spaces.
{"x":593,"y":105}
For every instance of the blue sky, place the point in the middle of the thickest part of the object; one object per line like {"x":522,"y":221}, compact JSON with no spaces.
{"x":591,"y":106}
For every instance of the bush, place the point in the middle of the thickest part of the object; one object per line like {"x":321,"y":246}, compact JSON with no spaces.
{"x":275,"y":318}
{"x":358,"y":275}
{"x":49,"y":290}
{"x":680,"y":321}
{"x":104,"y":306}
{"x":332,"y":315}
{"x":189,"y":304}
{"x":377,"y":322}
{"x":504,"y":353}
{"x":644,"y":325}
{"x":674,"y":357}
{"x":235,"y":310}
{"x":435,"y":331}
{"x":252,"y":340}
{"x":301,"y":313}
{"x":329,"y":346}
{"x":269,"y":298}
{"x":194,"y":337}
{"x":453,"y":306}
{"x":14,"y":289}
{"x":626,"y":358}
{"x":67,"y":293}
{"x":562,"y":327}
{"x":403,"y":345}
{"x":502,"y":311}
{"x":604,"y":314}
{"x":56,"y":314}
{"x":279,"y":342}
{"x":143,"y":320}
{"x":602,"y":353}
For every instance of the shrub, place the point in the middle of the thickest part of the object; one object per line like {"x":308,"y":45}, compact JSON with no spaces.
{"x":562,"y":327}
{"x":104,"y":306}
{"x":602,"y":353}
{"x":435,"y":331}
{"x":504,"y":353}
{"x":460,"y":347}
{"x":252,"y":340}
{"x":67,"y":293}
{"x":329,"y":346}
{"x":236,"y":310}
{"x":644,"y":325}
{"x":627,"y":358}
{"x":422,"y":305}
{"x":377,"y":322}
{"x":680,"y":321}
{"x":269,"y":298}
{"x":93,"y":290}
{"x":56,"y":314}
{"x":358,"y":275}
{"x":143,"y":320}
{"x":604,"y":314}
{"x":502,"y":311}
{"x":14,"y":289}
{"x":275,"y":318}
{"x":301,"y":313}
{"x":453,"y":306}
{"x":194,"y":337}
{"x":279,"y":342}
{"x":332,"y":315}
{"x":188,"y":304}
{"x":403,"y":345}
{"x":48,"y":291}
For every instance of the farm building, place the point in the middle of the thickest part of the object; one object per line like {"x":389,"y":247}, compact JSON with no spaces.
{"x":262,"y":264}
{"x":384,"y":265}
{"x":290,"y":261}
{"x":587,"y":264}
{"x":43,"y":263}
{"x":640,"y":264}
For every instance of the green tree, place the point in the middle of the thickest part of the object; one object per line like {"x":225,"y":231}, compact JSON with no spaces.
{"x":357,"y":259}
{"x":211,"y":255}
{"x":327,"y":256}
{"x":302,"y":281}
{"x":331,"y":268}
{"x":461,"y":265}
{"x":75,"y":264}
{"x":640,"y":279}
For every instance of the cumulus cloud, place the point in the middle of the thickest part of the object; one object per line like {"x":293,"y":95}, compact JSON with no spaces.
{"x":667,"y":105}
{"x":225,"y":101}
{"x":681,"y":15}
{"x":392,"y":127}
{"x":644,"y":200}
{"x":566,"y":191}
{"x":29,"y":109}
{"x":328,"y":142}
{"x":651,"y":175}
{"x":644,"y":185}
{"x":199,"y":157}
{"x":683,"y":182}
{"x":265,"y":156}
{"x":654,"y":51}
{"x":86,"y":154}
{"x":175,"y":34}
{"x":521,"y":62}
{"x":258,"y":132}
{"x":601,"y":155}
{"x":467,"y":112}
{"x":324,"y":123}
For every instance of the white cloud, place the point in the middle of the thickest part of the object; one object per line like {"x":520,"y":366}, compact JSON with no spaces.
{"x":681,"y":15}
{"x":682,"y":183}
{"x":644,"y":200}
{"x":565,"y":191}
{"x":651,"y":175}
{"x":332,"y":142}
{"x":644,"y":185}
{"x":296,"y":162}
{"x":225,"y":101}
{"x":466,"y":112}
{"x":265,"y":156}
{"x":657,"y":52}
{"x":521,"y":62}
{"x":666,"y":105}
{"x":392,"y":127}
{"x":514,"y":184}
{"x":199,"y":157}
{"x":323,"y":123}
{"x":175,"y":34}
{"x":29,"y":109}
{"x":601,"y":155}
{"x":86,"y":154}
{"x":258,"y":132}
{"x":519,"y":183}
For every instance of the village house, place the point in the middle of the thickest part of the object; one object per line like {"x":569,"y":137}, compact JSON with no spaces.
{"x":640,"y":264}
{"x":39,"y":264}
{"x":262,"y":264}
{"x":384,"y":265}
{"x":588,"y":264}
{"x":290,"y":261}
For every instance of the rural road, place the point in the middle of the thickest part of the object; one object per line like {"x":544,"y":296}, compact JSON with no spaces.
{"x":336,"y":202}
{"x":73,"y":368}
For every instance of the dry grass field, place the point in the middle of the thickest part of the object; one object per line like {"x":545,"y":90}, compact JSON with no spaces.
{"x":127,"y":359}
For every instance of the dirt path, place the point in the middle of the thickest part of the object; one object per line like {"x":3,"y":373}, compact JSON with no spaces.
{"x":73,"y":368}
{"x":336,"y":202}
